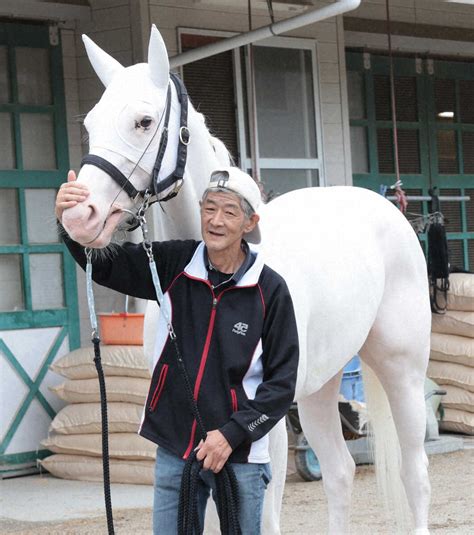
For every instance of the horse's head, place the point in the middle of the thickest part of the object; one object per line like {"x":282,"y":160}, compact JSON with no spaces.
{"x":124,"y":128}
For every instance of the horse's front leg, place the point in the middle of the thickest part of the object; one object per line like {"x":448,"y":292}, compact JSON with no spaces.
{"x":321,"y":423}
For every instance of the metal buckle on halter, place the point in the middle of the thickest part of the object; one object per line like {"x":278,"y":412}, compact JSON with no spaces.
{"x":184,"y":135}
{"x":173,"y":192}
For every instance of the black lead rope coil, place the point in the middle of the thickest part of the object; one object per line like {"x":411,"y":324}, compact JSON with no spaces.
{"x":227,"y":503}
{"x":105,"y":435}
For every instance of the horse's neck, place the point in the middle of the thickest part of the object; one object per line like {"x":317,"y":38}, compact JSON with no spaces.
{"x":181,"y":219}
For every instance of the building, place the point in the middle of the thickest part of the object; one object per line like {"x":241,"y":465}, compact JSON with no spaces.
{"x":322,"y":118}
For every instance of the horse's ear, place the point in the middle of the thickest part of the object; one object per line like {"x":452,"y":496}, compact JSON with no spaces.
{"x":105,"y":66}
{"x":158,"y":59}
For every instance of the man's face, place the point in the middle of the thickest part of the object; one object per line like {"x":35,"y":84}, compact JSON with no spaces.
{"x":223,"y":222}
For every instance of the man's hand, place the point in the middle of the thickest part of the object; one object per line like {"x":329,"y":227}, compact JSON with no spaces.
{"x":70,"y":193}
{"x":215,"y":451}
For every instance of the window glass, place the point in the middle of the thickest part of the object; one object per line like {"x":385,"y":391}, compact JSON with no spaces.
{"x":447,"y":152}
{"x":7,"y":144}
{"x":9,"y":217}
{"x":468,"y":152}
{"x":466,"y":100}
{"x":33,"y":76}
{"x":37,"y":141}
{"x":405,"y":98}
{"x":385,"y":150}
{"x":285,"y":103}
{"x":41,"y":221}
{"x":46,"y":281}
{"x":408,"y":151}
{"x":279,"y":181}
{"x":4,"y":76}
{"x":11,"y":283}
{"x":359,"y":150}
{"x":355,"y":90}
{"x":445,"y":100}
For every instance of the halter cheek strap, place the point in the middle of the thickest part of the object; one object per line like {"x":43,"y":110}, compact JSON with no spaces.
{"x":176,"y":178}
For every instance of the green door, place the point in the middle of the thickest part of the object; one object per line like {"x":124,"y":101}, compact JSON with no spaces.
{"x":435,"y":119}
{"x":38,"y":297}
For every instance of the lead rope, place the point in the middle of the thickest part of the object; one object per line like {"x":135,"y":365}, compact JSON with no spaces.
{"x":226,"y":482}
{"x":103,"y":395}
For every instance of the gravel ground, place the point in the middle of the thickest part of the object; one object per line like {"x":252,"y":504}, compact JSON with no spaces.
{"x":304,"y":506}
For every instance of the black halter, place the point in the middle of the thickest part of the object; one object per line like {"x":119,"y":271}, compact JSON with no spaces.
{"x":176,"y":177}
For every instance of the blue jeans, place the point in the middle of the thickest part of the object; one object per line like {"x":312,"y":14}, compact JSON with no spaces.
{"x":253,"y":479}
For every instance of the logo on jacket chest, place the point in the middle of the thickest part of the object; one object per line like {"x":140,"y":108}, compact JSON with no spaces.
{"x":240,"y":328}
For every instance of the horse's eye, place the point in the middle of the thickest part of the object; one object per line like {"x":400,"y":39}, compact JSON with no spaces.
{"x":146,"y":122}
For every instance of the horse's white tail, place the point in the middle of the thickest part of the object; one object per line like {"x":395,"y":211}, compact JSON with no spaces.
{"x":385,"y":451}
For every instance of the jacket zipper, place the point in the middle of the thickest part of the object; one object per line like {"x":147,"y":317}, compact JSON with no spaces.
{"x":202,"y":366}
{"x":159,"y":387}
{"x":233,"y":395}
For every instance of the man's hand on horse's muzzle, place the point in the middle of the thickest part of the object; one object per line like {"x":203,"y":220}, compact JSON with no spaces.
{"x":215,"y":451}
{"x":70,"y":193}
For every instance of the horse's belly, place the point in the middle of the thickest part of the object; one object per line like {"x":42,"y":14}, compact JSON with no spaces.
{"x":331,"y":259}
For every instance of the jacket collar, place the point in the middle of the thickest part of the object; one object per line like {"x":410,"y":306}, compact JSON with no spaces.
{"x":197,"y":267}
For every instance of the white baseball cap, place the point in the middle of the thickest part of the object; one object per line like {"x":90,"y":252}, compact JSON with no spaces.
{"x":236,"y":181}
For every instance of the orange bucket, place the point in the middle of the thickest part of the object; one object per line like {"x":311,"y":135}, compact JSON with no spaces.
{"x":121,"y":329}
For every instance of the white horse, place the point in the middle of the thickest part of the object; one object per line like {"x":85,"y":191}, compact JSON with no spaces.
{"x":353,"y":264}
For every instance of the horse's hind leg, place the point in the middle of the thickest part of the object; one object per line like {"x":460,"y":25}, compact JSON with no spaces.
{"x":321,"y":423}
{"x":397,"y":351}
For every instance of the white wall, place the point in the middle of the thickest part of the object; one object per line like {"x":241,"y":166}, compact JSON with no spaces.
{"x":435,"y":12}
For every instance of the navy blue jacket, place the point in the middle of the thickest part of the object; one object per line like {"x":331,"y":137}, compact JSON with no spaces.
{"x":240,"y":346}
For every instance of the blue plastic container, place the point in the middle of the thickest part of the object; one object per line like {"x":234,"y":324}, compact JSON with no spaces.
{"x":352,"y":386}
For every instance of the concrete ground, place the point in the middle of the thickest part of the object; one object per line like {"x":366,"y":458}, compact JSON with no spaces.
{"x":48,"y":499}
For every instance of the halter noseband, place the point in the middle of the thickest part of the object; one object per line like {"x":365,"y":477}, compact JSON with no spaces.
{"x":176,"y":177}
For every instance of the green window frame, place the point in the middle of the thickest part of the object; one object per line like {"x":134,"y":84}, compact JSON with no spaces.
{"x":425,"y":72}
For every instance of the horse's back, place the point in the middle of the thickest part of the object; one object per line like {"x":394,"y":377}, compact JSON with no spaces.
{"x":337,"y":249}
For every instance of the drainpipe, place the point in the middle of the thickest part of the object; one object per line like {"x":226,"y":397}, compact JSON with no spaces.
{"x":287,"y":25}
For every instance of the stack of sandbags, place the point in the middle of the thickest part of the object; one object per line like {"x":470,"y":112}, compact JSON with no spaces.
{"x":75,"y":433}
{"x":452,"y":355}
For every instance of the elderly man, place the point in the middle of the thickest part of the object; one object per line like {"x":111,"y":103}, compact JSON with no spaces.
{"x":235,"y":325}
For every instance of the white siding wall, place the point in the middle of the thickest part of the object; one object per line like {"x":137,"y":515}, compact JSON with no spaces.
{"x":436,"y":12}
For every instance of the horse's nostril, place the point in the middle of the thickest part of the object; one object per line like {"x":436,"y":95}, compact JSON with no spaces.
{"x":92,"y":210}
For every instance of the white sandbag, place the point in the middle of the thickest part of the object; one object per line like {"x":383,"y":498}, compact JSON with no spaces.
{"x":457,"y":398}
{"x":121,"y":445}
{"x":452,"y":348}
{"x":80,"y":418}
{"x":451,"y":374}
{"x":83,"y":468}
{"x":461,"y":291}
{"x":457,"y":421}
{"x":125,"y":389}
{"x":454,"y":322}
{"x":126,"y":361}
